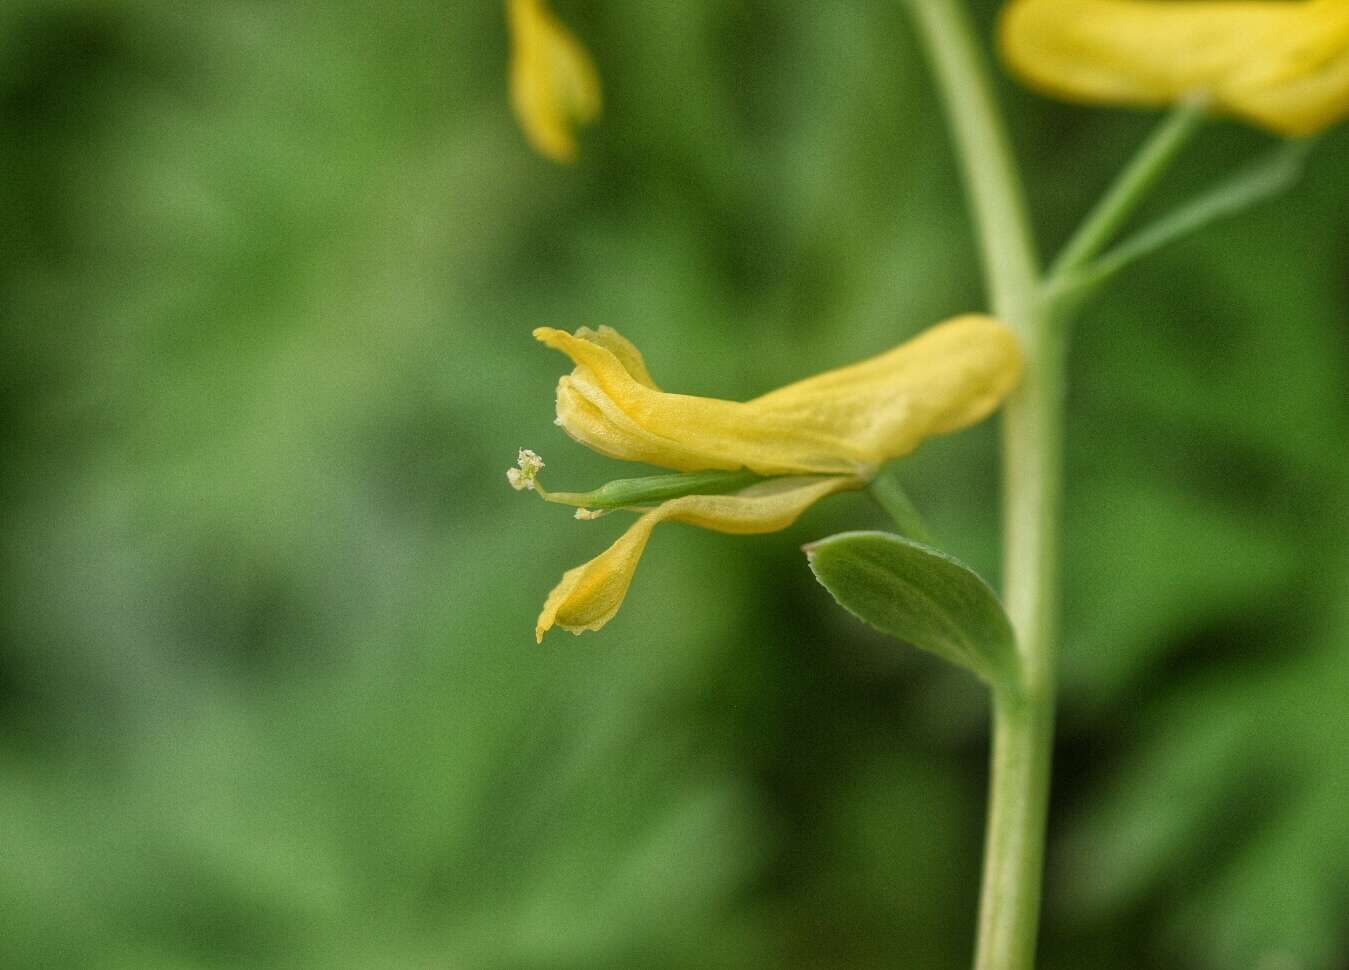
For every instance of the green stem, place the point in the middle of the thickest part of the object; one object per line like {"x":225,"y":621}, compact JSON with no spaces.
{"x":1258,"y":182}
{"x":996,"y":201}
{"x":1131,"y":187}
{"x":1023,"y":715}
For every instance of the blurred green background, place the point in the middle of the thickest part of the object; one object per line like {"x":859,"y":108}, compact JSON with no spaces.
{"x":269,"y":695}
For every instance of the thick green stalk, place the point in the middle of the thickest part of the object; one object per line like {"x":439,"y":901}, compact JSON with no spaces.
{"x":996,"y":201}
{"x":1023,"y":715}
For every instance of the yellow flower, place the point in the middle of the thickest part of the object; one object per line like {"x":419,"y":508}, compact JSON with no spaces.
{"x":846,"y":421}
{"x":1283,"y":64}
{"x":554,"y":85}
{"x":826,"y":434}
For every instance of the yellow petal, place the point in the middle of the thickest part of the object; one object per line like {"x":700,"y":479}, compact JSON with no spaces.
{"x":554,"y":85}
{"x":845,"y":421}
{"x":1283,"y":64}
{"x":621,"y":347}
{"x":589,"y":595}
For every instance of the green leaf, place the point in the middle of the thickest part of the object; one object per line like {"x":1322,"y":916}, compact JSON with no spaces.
{"x":920,"y":595}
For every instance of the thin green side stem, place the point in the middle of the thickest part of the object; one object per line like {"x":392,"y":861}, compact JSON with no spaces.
{"x":1265,"y":178}
{"x":891,"y":497}
{"x":1131,"y":187}
{"x":1023,"y":714}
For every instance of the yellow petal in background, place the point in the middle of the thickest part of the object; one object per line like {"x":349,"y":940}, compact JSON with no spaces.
{"x":1283,"y":64}
{"x":846,"y":421}
{"x":554,"y":84}
{"x":589,"y":595}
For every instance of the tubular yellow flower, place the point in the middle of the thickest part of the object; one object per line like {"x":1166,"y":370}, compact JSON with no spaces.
{"x":1283,"y":64}
{"x":826,"y":434}
{"x":554,"y":85}
{"x":845,"y":421}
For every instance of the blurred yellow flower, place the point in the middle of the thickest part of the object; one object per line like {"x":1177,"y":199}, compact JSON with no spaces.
{"x":554,"y":84}
{"x":822,"y":435}
{"x":1283,"y":64}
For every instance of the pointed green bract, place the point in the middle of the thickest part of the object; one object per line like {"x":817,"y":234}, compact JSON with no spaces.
{"x":922,"y":596}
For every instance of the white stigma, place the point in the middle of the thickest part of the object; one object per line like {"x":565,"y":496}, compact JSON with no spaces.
{"x":522,"y":478}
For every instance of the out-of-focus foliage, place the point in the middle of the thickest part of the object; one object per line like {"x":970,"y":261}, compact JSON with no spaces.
{"x":268,"y":693}
{"x":1224,"y":814}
